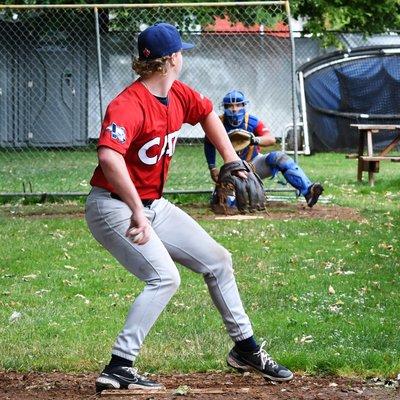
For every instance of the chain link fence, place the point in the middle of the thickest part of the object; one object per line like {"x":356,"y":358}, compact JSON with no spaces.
{"x":60,"y":67}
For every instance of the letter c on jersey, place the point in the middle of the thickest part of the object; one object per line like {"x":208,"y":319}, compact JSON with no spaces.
{"x":168,"y":148}
{"x":143,"y":151}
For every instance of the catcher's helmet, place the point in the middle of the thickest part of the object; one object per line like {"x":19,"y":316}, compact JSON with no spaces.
{"x":235,"y":117}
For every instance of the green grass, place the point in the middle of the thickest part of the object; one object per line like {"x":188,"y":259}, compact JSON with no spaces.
{"x":46,"y":171}
{"x":70,"y":171}
{"x":73,"y":297}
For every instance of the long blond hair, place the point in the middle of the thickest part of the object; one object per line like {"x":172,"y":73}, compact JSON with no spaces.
{"x":145,"y":68}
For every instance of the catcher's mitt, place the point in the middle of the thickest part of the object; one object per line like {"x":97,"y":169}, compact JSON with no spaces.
{"x":227,"y":207}
{"x":249,"y":192}
{"x":240,"y":138}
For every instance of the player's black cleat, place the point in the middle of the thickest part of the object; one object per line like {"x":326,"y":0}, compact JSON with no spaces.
{"x":124,"y":378}
{"x":313,"y":194}
{"x":259,"y":361}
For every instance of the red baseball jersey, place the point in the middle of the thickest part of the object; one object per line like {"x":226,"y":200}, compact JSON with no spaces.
{"x":144,"y":131}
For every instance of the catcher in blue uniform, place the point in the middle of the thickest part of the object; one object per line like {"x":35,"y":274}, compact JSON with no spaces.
{"x":248,"y":134}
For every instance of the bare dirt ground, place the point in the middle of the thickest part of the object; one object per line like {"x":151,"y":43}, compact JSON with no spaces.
{"x":275,"y":210}
{"x":205,"y":386}
{"x":288,"y":211}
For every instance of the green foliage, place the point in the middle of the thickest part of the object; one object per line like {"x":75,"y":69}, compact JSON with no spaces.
{"x":186,"y":18}
{"x":323,"y":17}
{"x":362,"y":16}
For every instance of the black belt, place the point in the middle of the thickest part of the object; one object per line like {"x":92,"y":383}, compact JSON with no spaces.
{"x":145,"y":202}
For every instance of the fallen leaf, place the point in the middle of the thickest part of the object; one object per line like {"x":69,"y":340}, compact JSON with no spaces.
{"x":42,"y":291}
{"x":29,"y":277}
{"x":81,"y":296}
{"x":304,"y":339}
{"x":15,"y":316}
{"x":334,"y":309}
{"x":182,"y":390}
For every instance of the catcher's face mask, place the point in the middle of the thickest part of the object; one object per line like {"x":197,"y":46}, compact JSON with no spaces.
{"x":234,"y":103}
{"x":235,"y":113}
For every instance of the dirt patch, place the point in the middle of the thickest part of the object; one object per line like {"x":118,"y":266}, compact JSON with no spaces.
{"x":201,"y":211}
{"x":285,"y":211}
{"x":322,"y":212}
{"x":235,"y":386}
{"x":53,"y":210}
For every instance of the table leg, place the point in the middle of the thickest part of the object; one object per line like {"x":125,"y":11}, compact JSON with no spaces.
{"x":370,"y":150}
{"x":361,"y":143}
{"x":371,"y":178}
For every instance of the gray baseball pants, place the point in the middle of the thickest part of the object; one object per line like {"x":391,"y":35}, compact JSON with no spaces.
{"x":175,"y":237}
{"x":263,"y":170}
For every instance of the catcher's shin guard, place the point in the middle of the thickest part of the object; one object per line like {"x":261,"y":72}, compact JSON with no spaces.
{"x":280,"y":161}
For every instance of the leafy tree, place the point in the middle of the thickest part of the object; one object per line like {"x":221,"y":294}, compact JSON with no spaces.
{"x":361,"y":16}
{"x":131,"y":19}
{"x":323,"y":17}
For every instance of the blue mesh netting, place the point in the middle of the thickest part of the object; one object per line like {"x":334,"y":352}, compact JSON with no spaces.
{"x":367,"y":85}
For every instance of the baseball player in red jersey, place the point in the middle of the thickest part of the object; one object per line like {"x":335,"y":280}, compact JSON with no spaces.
{"x":127,"y":214}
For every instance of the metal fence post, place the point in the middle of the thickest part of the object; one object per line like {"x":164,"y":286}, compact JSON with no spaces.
{"x":293,"y":65}
{"x":99,"y":63}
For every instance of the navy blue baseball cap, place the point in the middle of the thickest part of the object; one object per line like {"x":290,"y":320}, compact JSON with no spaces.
{"x":160,"y":40}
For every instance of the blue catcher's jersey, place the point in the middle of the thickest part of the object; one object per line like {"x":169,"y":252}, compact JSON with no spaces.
{"x":250,"y":123}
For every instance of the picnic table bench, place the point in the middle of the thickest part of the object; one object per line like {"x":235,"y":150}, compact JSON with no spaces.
{"x":370,"y":162}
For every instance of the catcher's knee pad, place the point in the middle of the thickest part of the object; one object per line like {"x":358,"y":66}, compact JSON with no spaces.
{"x":290,"y":170}
{"x":278,"y":161}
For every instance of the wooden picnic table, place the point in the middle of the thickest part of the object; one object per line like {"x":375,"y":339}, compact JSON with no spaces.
{"x":370,"y":162}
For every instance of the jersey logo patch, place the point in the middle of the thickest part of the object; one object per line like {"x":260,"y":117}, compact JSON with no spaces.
{"x":117,"y":132}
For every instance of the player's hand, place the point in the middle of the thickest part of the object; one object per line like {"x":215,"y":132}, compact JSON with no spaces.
{"x":255,"y":139}
{"x":242,"y":174}
{"x":139,"y":228}
{"x":214,"y":172}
